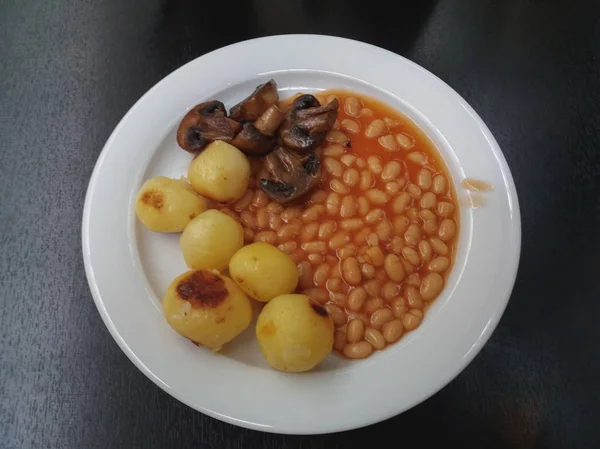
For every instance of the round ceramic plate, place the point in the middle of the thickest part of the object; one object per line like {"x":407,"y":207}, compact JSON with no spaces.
{"x":129,"y":268}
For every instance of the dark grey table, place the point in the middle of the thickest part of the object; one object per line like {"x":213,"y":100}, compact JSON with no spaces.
{"x":69,"y":70}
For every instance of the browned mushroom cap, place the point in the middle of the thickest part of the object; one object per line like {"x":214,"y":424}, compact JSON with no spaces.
{"x":203,"y":124}
{"x":256,"y":104}
{"x":251,"y":141}
{"x":287,"y":175}
{"x":307,"y":123}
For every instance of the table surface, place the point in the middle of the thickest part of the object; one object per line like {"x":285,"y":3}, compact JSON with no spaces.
{"x":69,"y":70}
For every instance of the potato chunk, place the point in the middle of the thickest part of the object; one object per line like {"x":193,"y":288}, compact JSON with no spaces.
{"x":294,"y":333}
{"x":210,"y":240}
{"x":167,"y":205}
{"x":263,"y":271}
{"x":206,"y":307}
{"x":220,"y":172}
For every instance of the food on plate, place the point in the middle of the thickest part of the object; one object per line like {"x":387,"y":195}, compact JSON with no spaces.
{"x":295,"y":334}
{"x":254,"y":106}
{"x":221,"y":172}
{"x":207,"y":307}
{"x":167,"y":205}
{"x":263,"y":271}
{"x":210,"y":240}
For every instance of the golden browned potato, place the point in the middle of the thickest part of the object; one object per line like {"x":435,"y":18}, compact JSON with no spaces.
{"x":263,"y":271}
{"x":210,"y":240}
{"x":207,"y":307}
{"x":167,"y":205}
{"x":220,"y":172}
{"x":295,"y":334}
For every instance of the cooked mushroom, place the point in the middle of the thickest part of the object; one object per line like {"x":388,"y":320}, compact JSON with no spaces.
{"x":251,"y":108}
{"x":251,"y":141}
{"x":287,"y":175}
{"x":269,"y":121}
{"x":307,"y":122}
{"x":205,"y":123}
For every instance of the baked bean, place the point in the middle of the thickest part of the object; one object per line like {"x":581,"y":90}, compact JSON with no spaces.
{"x":394,"y":268}
{"x":334,"y":150}
{"x":374,"y":164}
{"x":374,"y":216}
{"x":347,"y":251}
{"x":348,"y":207}
{"x":412,"y":319}
{"x":438,"y":246}
{"x":309,"y":232}
{"x":338,"y":186}
{"x":384,"y":230}
{"x":389,"y":291}
{"x":391,"y":123}
{"x":361,"y":236}
{"x":248,"y":235}
{"x":425,"y":250}
{"x":333,"y":166}
{"x":339,"y":340}
{"x":388,"y":142}
{"x":375,"y":129}
{"x":275,"y":222}
{"x":363,"y":206}
{"x":400,"y":224}
{"x":440,"y":185}
{"x":414,"y":280}
{"x":351,"y":126}
{"x":352,"y":106}
{"x":372,"y":239}
{"x":321,"y":275}
{"x":267,"y":237}
{"x":314,"y":247}
{"x":431,"y":286}
{"x":424,"y":179}
{"x":447,"y":230}
{"x":376,"y":196}
{"x":413,"y":298}
{"x":338,"y":240}
{"x":262,"y":218}
{"x":351,"y":271}
{"x":357,"y":298}
{"x":439,"y":264}
{"x":260,"y":199}
{"x":412,"y":214}
{"x":428,"y":200}
{"x":393,"y":188}
{"x":360,"y":163}
{"x":414,"y":191}
{"x":351,"y":177}
{"x":372,"y":287}
{"x":347,"y":159}
{"x":380,"y":275}
{"x":375,"y":256}
{"x":417,"y":158}
{"x":326,"y":229}
{"x":445,"y":209}
{"x":337,"y":315}
{"x":405,"y":141}
{"x":409,"y":268}
{"x":396,"y":245}
{"x":412,"y":236}
{"x":338,"y":137}
{"x":351,"y":224}
{"x":381,"y":316}
{"x":427,"y":215}
{"x":411,"y":255}
{"x":399,"y":307}
{"x":430,"y":227}
{"x":355,"y":330}
{"x":244,"y":201}
{"x":305,"y":275}
{"x":372,"y":305}
{"x":289,"y":230}
{"x":338,"y":297}
{"x":290,"y":213}
{"x":391,"y":171}
{"x":333,"y":284}
{"x":366,"y":180}
{"x":358,"y":350}
{"x":315,"y":259}
{"x":401,"y":202}
{"x":288,"y":246}
{"x":392,"y":330}
{"x":366,"y":112}
{"x":333,"y":203}
{"x":367,"y":270}
{"x":319,"y":295}
{"x":248,"y":219}
{"x":375,"y":337}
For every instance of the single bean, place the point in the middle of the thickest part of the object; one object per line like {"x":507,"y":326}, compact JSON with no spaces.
{"x":351,"y":271}
{"x":431,"y":286}
{"x":381,"y":316}
{"x":394,"y":268}
{"x":447,"y":230}
{"x":439,"y":264}
{"x":392,"y":331}
{"x":357,"y":298}
{"x":375,"y":337}
{"x":388,"y":142}
{"x":351,"y":177}
{"x":412,"y":319}
{"x":314,"y":247}
{"x":375,"y":129}
{"x":439,"y":247}
{"x":355,"y":330}
{"x":359,"y":350}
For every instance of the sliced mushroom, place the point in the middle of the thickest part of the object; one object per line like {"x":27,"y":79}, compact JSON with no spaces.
{"x":251,"y":108}
{"x":287,"y":175}
{"x":251,"y":141}
{"x":307,"y":123}
{"x":270,"y":120}
{"x":205,"y":123}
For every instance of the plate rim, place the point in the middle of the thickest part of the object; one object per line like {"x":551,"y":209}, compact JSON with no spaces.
{"x":373,"y":418}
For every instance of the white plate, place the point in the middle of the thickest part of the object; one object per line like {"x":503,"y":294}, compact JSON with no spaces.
{"x":128,"y":268}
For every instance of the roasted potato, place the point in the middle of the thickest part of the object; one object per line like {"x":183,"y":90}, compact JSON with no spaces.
{"x":220,"y":172}
{"x":210,"y":240}
{"x":294,"y":333}
{"x":167,"y":205}
{"x":207,"y":307}
{"x":263,"y":271}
